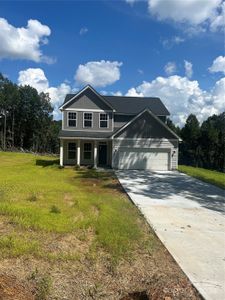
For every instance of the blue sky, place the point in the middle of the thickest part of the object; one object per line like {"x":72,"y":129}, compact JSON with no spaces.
{"x":122,"y":47}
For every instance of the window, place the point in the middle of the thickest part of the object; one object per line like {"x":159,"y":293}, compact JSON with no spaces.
{"x":72,"y":150}
{"x":87,"y":120}
{"x":72,"y":119}
{"x":87,"y":150}
{"x":103,"y":120}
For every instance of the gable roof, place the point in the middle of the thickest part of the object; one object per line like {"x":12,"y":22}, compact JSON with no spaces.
{"x":154,"y":116}
{"x":126,"y":105}
{"x":70,"y":97}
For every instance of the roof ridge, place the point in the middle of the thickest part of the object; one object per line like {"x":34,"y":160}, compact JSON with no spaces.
{"x":130,"y":97}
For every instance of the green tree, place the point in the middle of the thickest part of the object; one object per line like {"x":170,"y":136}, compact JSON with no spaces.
{"x":191,"y":148}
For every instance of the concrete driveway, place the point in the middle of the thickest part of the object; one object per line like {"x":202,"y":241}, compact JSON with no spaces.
{"x":188,"y":216}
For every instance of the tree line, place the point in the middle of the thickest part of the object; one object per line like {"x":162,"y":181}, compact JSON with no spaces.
{"x":202,"y":145}
{"x":26,"y":122}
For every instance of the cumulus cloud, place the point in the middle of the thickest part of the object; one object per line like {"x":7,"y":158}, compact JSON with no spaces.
{"x":218,"y":65}
{"x":83,"y":30}
{"x":188,"y":68}
{"x":98,"y":73}
{"x":170,"y":68}
{"x":192,"y":11}
{"x":183,"y":96}
{"x":36,"y":78}
{"x":24,"y":42}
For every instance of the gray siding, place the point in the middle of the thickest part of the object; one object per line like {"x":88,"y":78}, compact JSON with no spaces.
{"x":121,"y":120}
{"x":88,"y":100}
{"x":95,"y":121}
{"x":169,"y":145}
{"x":145,"y":126}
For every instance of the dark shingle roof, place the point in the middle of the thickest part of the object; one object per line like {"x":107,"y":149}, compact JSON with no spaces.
{"x":68,"y":97}
{"x":132,"y":105}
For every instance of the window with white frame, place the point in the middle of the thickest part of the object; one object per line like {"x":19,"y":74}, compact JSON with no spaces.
{"x":87,"y":150}
{"x":72,"y":150}
{"x":72,"y":119}
{"x":88,"y":120}
{"x":103,"y":120}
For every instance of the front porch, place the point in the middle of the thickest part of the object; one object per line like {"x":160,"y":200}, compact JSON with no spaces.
{"x":87,"y":152}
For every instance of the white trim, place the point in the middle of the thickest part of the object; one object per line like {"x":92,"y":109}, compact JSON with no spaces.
{"x":154,"y":116}
{"x":83,"y":138}
{"x":87,"y":109}
{"x":92,"y":119}
{"x":72,"y":119}
{"x":140,"y":139}
{"x":86,"y":130}
{"x":95,"y":153}
{"x":63,"y":125}
{"x":78,"y":152}
{"x":99,"y":121}
{"x":84,"y":89}
{"x":61,"y":152}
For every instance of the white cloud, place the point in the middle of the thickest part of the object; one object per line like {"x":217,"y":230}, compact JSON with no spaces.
{"x":37,"y":79}
{"x":192,"y":11}
{"x":169,"y":43}
{"x":170,"y":68}
{"x":183,"y":96}
{"x":219,"y":20}
{"x":83,"y":30}
{"x":218,"y":65}
{"x":24,"y":43}
{"x":188,"y":68}
{"x":98,"y":73}
{"x":132,"y":92}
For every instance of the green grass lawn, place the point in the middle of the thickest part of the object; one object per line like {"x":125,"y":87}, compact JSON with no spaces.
{"x":213,"y":177}
{"x":75,"y":234}
{"x":39,"y":201}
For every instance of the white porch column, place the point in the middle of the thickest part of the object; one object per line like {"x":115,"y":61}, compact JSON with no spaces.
{"x":78,"y":152}
{"x":95,"y":154}
{"x":61,"y":153}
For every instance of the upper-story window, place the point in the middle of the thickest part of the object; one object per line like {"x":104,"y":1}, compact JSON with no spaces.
{"x":103,"y":120}
{"x":88,"y":118}
{"x":72,"y":119}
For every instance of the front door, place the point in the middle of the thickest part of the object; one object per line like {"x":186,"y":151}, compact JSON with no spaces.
{"x":102,"y":154}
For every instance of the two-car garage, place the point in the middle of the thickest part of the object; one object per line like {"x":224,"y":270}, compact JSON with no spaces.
{"x":144,"y":159}
{"x":145,"y":144}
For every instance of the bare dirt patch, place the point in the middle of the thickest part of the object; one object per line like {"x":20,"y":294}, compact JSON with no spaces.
{"x":12,"y":289}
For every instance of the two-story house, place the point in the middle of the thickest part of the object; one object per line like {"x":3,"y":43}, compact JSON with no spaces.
{"x":116,"y":131}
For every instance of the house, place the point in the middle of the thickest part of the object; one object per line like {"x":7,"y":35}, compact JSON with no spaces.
{"x":116,"y":131}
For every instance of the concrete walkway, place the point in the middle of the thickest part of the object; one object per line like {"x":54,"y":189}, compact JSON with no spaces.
{"x":188,"y":216}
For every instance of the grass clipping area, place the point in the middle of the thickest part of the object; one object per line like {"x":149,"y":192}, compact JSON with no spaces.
{"x":75,"y":234}
{"x":213,"y":177}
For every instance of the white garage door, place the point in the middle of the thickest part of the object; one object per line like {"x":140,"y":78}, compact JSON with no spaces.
{"x":139,"y":159}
